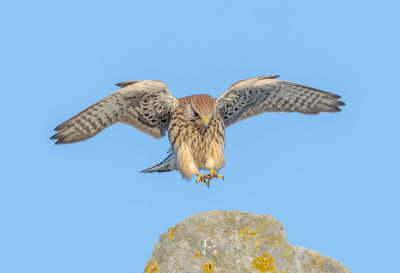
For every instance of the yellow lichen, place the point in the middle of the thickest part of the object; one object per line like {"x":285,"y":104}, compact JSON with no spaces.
{"x":171,"y":232}
{"x":196,"y":254}
{"x":316,"y":262}
{"x":151,"y":267}
{"x":264,"y":263}
{"x":208,"y":267}
{"x":247,"y":232}
{"x":258,"y":244}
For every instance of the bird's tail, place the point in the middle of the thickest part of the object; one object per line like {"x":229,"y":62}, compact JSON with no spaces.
{"x":165,"y":166}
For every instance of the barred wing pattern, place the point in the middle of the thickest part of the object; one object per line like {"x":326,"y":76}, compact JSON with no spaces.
{"x":254,"y":96}
{"x":145,"y":105}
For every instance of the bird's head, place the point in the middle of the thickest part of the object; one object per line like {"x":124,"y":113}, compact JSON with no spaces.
{"x":202,"y":109}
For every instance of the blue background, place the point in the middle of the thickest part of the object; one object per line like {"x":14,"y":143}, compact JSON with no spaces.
{"x":331,"y":179}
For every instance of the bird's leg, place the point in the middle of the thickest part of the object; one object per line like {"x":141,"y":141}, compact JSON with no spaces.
{"x":214,"y":174}
{"x":203,"y":178}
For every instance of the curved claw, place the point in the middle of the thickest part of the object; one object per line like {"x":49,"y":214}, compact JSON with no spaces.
{"x":203,"y":178}
{"x":206,"y":178}
{"x":214,"y":174}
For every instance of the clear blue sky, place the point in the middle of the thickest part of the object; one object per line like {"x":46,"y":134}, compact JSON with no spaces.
{"x":331,"y":179}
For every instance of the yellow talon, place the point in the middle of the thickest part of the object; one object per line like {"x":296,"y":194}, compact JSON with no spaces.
{"x":203,"y":178}
{"x":214,"y":174}
{"x":206,"y":178}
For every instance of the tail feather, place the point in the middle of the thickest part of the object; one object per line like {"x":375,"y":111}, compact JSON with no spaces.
{"x":164,"y":166}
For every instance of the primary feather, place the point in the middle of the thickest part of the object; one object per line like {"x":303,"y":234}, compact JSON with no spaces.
{"x":254,"y":96}
{"x":145,"y":105}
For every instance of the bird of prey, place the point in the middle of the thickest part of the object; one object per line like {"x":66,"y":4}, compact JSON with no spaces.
{"x":195,"y":124}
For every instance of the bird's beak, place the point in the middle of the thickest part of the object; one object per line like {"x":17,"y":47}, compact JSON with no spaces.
{"x":205,"y":121}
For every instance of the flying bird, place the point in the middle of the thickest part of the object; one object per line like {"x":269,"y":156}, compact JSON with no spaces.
{"x":195,"y":124}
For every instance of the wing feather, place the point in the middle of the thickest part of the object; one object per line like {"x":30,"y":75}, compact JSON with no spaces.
{"x":254,"y":96}
{"x":145,"y":105}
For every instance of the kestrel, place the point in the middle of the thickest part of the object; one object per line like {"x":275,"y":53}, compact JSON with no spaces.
{"x":195,"y":124}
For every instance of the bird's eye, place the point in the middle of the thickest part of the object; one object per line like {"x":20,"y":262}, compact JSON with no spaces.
{"x":196,"y":115}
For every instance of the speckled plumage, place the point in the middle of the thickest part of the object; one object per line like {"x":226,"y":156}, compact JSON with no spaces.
{"x":195,"y":124}
{"x":195,"y":145}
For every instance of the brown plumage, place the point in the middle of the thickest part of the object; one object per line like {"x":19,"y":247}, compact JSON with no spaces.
{"x":196,"y":133}
{"x":195,"y":124}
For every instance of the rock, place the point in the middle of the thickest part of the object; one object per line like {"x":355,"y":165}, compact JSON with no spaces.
{"x":230,"y":242}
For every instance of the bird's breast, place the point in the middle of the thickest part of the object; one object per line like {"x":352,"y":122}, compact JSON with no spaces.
{"x":203,"y":142}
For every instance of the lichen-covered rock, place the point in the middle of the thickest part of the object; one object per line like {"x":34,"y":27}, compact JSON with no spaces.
{"x":230,"y":242}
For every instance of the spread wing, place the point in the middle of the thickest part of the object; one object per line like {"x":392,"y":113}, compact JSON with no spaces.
{"x":251,"y":97}
{"x":145,"y":105}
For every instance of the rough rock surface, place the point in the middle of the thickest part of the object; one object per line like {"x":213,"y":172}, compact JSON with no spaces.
{"x":230,"y":242}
